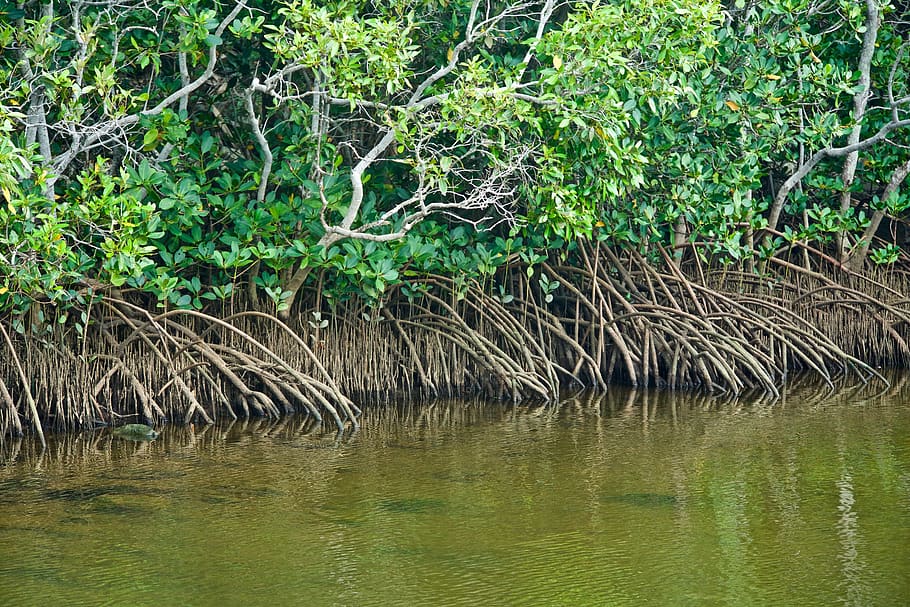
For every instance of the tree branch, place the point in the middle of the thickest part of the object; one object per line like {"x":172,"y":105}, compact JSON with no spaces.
{"x":860,"y":100}
{"x":858,"y":259}
{"x":829,"y":152}
{"x":264,"y":149}
{"x":83,"y":142}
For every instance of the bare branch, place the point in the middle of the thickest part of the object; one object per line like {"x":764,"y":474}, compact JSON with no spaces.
{"x":894,"y":66}
{"x":264,"y":149}
{"x":114,"y":128}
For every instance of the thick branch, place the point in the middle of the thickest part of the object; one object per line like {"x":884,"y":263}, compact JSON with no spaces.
{"x":829,"y":152}
{"x":894,"y":184}
{"x":184,"y":101}
{"x":36,"y":126}
{"x":860,"y":100}
{"x":264,"y":149}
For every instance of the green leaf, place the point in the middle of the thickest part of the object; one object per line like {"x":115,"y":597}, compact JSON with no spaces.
{"x":150,"y":139}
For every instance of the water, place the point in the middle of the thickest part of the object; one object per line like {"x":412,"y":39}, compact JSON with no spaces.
{"x":629,"y":499}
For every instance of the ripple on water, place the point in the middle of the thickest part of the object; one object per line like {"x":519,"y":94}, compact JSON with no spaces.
{"x":699,"y":511}
{"x":570,"y":568}
{"x":644,"y":500}
{"x":85,"y":493}
{"x":414,"y":505}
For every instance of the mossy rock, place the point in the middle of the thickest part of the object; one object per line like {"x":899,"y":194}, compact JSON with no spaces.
{"x":136,"y":432}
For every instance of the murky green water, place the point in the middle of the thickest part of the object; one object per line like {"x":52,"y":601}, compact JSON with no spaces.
{"x":629,"y":499}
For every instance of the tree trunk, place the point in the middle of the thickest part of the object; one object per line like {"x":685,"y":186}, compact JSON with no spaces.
{"x":858,"y":258}
{"x":860,"y":100}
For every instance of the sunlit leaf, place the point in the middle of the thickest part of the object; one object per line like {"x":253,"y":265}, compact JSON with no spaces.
{"x":150,"y":138}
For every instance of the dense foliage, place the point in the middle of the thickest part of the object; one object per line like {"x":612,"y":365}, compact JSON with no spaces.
{"x":201,"y":151}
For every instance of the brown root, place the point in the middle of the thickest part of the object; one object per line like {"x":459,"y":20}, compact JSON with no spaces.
{"x":650,"y":320}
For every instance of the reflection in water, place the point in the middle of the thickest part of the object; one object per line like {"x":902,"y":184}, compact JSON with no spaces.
{"x":854,"y":574}
{"x":625,"y":498}
{"x":852,"y":567}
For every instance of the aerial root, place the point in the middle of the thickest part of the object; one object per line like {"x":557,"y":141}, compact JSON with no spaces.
{"x":615,"y":316}
{"x":203,"y":359}
{"x":26,"y":387}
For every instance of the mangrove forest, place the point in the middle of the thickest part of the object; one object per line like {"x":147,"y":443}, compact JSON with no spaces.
{"x":231,"y":209}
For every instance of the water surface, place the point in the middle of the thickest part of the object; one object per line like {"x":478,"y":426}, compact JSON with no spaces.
{"x":629,"y":498}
